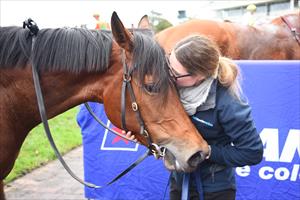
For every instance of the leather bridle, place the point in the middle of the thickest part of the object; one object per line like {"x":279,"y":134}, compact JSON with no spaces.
{"x":294,"y":30}
{"x":153,"y":149}
{"x":127,"y":74}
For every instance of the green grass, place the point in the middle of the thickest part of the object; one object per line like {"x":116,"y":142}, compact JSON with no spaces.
{"x":36,"y":149}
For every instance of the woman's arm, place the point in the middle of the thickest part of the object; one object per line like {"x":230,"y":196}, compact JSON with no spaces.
{"x":246,"y":147}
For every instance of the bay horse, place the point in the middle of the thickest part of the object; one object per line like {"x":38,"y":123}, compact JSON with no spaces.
{"x":78,"y":65}
{"x":270,"y":41}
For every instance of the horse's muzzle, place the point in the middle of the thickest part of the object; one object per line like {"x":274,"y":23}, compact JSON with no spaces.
{"x":172,"y":164}
{"x":196,"y":159}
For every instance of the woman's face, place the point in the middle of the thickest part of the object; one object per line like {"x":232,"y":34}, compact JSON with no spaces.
{"x":181,"y":76}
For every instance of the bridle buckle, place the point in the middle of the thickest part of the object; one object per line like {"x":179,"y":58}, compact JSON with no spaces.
{"x":157,"y":151}
{"x":134,"y":106}
{"x":126,"y":77}
{"x":145,"y":133}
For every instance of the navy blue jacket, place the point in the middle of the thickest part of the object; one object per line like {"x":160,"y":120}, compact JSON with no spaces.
{"x":230,"y":131}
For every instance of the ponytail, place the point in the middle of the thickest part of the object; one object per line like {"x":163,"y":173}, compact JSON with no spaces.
{"x":228,"y":76}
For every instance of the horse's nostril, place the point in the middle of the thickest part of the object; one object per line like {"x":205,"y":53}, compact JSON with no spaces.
{"x":196,"y":159}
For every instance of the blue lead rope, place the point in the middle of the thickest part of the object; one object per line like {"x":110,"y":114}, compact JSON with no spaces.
{"x":198,"y":184}
{"x":185,"y":185}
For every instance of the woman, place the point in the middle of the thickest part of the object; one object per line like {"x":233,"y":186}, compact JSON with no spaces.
{"x":211,"y":95}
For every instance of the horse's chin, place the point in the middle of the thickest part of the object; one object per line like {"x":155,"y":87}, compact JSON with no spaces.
{"x":170,"y":161}
{"x":172,"y":164}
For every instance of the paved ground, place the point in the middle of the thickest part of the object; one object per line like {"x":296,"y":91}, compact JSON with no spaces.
{"x":50,"y":181}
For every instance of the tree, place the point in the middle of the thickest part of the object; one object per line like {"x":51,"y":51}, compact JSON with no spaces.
{"x":158,"y":23}
{"x":161,"y":25}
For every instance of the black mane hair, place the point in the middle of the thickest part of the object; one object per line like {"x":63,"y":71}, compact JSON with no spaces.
{"x":149,"y":59}
{"x":68,"y":49}
{"x":78,"y":49}
{"x":15,"y":47}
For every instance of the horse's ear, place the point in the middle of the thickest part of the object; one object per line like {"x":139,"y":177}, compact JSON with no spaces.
{"x":144,"y":23}
{"x":122,"y":36}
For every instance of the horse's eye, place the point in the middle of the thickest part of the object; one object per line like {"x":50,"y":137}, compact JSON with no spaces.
{"x":150,"y":88}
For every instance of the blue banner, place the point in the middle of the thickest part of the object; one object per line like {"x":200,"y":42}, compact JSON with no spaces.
{"x":273,"y":91}
{"x":107,"y":155}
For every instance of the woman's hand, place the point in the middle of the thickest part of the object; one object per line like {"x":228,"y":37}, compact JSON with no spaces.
{"x":129,"y":136}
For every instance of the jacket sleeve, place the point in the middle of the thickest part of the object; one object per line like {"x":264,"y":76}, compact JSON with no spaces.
{"x":246,"y":146}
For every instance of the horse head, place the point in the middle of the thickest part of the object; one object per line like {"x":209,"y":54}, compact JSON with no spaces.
{"x":155,"y":102}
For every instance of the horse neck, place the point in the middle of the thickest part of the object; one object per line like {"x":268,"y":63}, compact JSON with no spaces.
{"x":61,"y":91}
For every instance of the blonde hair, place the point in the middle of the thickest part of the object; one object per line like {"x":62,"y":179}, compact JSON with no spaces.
{"x":229,"y":76}
{"x":200,"y":55}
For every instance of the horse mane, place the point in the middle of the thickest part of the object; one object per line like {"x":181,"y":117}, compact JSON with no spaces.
{"x":15,"y":48}
{"x":61,"y":49}
{"x":78,"y":49}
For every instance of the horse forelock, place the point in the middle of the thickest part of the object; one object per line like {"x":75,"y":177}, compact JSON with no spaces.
{"x":149,"y":59}
{"x":62,"y":49}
